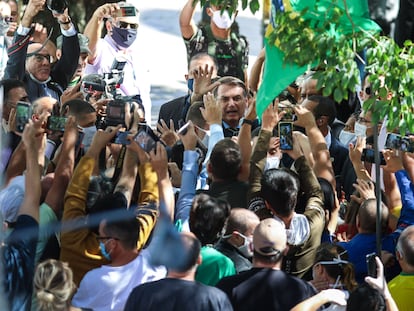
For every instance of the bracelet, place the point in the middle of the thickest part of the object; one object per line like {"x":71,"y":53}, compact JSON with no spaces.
{"x":65,"y":23}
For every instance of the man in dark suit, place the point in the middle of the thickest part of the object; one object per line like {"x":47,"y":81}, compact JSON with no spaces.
{"x":203,"y":67}
{"x":323,"y":108}
{"x":30,"y":62}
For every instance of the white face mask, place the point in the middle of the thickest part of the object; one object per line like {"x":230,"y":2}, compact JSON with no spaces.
{"x":89,"y":133}
{"x":246,"y":248}
{"x":346,"y":137}
{"x":223,"y":21}
{"x":360,"y":129}
{"x":272,"y":162}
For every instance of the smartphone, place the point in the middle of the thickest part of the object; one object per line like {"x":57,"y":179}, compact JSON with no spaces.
{"x":407,"y":144}
{"x":121,"y":138}
{"x":125,"y":11}
{"x":118,"y":64}
{"x":146,"y":138}
{"x":115,"y":113}
{"x":371,"y":265}
{"x":183,"y":130}
{"x":393,"y":141}
{"x":23,"y":115}
{"x":368,"y":155}
{"x":56,"y":124}
{"x":286,"y":135}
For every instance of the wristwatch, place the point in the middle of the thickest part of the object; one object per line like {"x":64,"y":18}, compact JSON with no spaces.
{"x":247,"y":121}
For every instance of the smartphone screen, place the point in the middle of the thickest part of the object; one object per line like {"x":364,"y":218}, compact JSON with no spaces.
{"x":286,"y":135}
{"x":371,"y":265}
{"x":127,"y":11}
{"x":56,"y":124}
{"x":393,"y":141}
{"x":368,"y":155}
{"x":23,"y":114}
{"x":146,"y":138}
{"x":121,"y":138}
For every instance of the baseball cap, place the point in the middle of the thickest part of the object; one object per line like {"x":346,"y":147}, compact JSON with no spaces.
{"x":83,"y":43}
{"x":269,"y":237}
{"x":11,"y":198}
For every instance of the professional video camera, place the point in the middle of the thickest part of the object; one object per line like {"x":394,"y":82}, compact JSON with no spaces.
{"x":114,"y":78}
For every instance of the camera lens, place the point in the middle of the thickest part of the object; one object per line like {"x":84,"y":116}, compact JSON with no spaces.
{"x":57,"y":6}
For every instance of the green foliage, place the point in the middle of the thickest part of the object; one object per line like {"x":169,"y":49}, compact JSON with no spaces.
{"x":232,"y":5}
{"x":319,"y":41}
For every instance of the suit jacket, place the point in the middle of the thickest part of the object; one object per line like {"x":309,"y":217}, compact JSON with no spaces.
{"x":61,"y":73}
{"x":175,"y":110}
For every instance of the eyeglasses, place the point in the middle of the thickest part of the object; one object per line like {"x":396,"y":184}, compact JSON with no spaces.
{"x":40,"y":57}
{"x":125,"y":25}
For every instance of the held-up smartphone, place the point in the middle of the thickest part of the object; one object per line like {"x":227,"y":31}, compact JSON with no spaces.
{"x":56,"y":124}
{"x":121,"y":138}
{"x":115,"y":113}
{"x":23,"y":115}
{"x":183,"y":130}
{"x":371,"y":265}
{"x":126,"y":11}
{"x":393,"y":141}
{"x":286,"y":135}
{"x":368,"y":155}
{"x":146,"y":138}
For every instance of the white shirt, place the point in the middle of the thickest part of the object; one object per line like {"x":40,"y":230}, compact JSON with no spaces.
{"x":136,"y":74}
{"x":107,"y":288}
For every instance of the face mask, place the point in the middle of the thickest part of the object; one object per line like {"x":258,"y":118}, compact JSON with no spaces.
{"x":103,"y":251}
{"x":272,"y":162}
{"x":89,"y":133}
{"x":124,"y":37}
{"x":190,"y":84}
{"x":223,"y":21}
{"x":246,"y":248}
{"x":346,"y":137}
{"x":360,"y":129}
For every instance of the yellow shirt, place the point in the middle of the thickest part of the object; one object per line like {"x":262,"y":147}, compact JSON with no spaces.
{"x":402,"y":290}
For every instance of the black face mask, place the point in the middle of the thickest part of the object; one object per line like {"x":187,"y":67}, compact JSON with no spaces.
{"x":124,"y":37}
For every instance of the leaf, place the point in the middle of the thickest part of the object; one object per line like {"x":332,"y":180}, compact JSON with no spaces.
{"x":254,"y":6}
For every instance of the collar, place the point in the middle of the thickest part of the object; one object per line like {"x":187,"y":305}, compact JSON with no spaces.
{"x":298,"y":231}
{"x":227,"y":126}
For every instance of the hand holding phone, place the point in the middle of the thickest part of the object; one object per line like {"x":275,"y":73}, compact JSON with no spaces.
{"x":371,"y":265}
{"x":23,"y":115}
{"x":286,"y":135}
{"x":146,"y":138}
{"x":368,"y":155}
{"x":56,"y":124}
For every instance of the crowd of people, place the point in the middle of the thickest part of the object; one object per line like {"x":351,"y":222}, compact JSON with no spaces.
{"x":213,"y":209}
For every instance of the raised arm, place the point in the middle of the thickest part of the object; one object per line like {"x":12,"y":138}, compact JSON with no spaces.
{"x":64,"y":167}
{"x":245,"y":139}
{"x":93,"y":29}
{"x":187,"y":25}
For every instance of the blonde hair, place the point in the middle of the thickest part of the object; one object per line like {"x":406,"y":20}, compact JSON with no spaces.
{"x":53,"y":285}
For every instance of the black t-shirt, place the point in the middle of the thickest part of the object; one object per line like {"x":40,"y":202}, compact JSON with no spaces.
{"x":174,"y":294}
{"x":265,"y":289}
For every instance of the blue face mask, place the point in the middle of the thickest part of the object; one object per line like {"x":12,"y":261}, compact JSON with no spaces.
{"x":190,"y":84}
{"x":103,"y":251}
{"x":124,"y":37}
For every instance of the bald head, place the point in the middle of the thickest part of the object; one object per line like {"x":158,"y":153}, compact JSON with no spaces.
{"x":242,"y":220}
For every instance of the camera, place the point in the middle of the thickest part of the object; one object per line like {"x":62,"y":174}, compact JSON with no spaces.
{"x":57,"y":6}
{"x":114,"y":78}
{"x":286,"y":135}
{"x":23,"y":115}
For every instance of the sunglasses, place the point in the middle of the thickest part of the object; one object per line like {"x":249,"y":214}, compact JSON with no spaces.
{"x":7,"y":19}
{"x":125,"y":25}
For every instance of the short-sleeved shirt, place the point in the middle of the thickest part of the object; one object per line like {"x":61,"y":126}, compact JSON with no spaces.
{"x":214,"y":266}
{"x":232,"y":54}
{"x":402,"y":290}
{"x":265,"y":289}
{"x":18,"y":261}
{"x":179,"y":295}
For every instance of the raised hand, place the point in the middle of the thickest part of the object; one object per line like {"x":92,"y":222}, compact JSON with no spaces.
{"x":168,"y":134}
{"x":212,"y":111}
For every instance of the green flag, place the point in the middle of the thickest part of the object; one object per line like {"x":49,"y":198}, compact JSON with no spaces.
{"x":277,"y":74}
